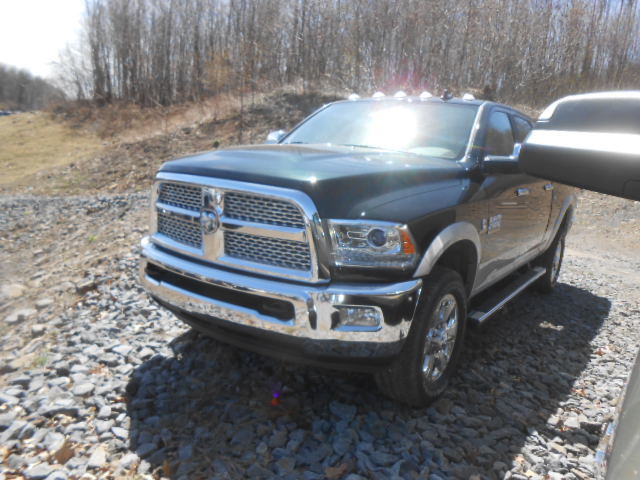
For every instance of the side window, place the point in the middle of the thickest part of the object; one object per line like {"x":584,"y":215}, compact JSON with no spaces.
{"x":499,"y":135}
{"x":521,"y":128}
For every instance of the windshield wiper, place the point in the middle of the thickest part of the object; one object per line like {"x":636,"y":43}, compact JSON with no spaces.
{"x":359,"y":146}
{"x":374,"y":148}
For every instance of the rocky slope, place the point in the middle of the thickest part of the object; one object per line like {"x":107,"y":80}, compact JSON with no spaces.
{"x":98,"y":382}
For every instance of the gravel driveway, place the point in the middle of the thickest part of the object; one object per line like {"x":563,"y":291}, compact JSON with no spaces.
{"x":98,"y":382}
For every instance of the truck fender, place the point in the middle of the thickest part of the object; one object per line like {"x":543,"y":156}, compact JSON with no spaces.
{"x":568,"y":208}
{"x":452,"y":234}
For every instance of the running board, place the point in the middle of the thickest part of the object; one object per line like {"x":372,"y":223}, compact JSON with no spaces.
{"x":500,"y":299}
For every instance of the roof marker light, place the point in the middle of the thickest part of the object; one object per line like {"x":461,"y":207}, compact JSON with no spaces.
{"x":353,"y":96}
{"x":400,"y":94}
{"x":425,"y":95}
{"x":378,"y":95}
{"x":468,"y":96}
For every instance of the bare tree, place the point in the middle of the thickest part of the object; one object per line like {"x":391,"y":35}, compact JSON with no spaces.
{"x":167,"y":51}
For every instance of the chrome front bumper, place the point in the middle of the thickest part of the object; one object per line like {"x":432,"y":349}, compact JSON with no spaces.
{"x":312,"y":322}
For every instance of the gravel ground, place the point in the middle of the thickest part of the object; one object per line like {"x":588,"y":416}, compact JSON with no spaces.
{"x":98,"y":382}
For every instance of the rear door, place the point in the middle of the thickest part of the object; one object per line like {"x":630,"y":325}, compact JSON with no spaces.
{"x":540,"y":197}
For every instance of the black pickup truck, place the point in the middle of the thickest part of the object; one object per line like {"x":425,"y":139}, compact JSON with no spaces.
{"x":366,"y":238}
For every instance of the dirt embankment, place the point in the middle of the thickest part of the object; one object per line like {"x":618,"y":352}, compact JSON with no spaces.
{"x":72,"y":158}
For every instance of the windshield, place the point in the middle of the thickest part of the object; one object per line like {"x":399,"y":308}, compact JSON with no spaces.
{"x":433,"y":129}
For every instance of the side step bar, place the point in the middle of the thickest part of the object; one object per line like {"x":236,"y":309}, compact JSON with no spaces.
{"x":500,"y":299}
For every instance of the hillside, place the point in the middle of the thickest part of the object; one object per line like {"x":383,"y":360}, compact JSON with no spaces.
{"x":84,"y":153}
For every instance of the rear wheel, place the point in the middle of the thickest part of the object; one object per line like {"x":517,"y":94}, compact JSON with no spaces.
{"x":551,"y":260}
{"x":431,"y":352}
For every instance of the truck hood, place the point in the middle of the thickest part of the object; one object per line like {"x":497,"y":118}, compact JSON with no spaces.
{"x":343,"y":182}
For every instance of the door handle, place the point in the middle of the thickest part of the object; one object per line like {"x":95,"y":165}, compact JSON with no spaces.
{"x":521,"y":192}
{"x":548,"y":186}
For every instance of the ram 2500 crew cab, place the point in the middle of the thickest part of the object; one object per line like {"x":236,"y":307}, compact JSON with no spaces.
{"x":366,"y":238}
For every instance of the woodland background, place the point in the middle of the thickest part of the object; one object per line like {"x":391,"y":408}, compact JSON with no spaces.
{"x":163,"y":52}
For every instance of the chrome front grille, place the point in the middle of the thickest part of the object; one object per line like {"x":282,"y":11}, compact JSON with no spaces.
{"x":270,"y":251}
{"x":179,"y":195}
{"x":236,"y":224}
{"x":261,"y":209}
{"x":180,"y":229}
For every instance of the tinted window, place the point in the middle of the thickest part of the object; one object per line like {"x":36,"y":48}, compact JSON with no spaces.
{"x":426,"y":128}
{"x":499,"y":135}
{"x":521,"y":128}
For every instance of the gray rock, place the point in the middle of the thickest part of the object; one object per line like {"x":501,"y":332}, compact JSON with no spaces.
{"x":104,"y":412}
{"x":38,"y":472}
{"x":12,"y":291}
{"x":184,"y":469}
{"x":128,"y":461}
{"x":262,"y":448}
{"x":53,"y":441}
{"x":6,"y":399}
{"x":6,"y":419}
{"x":146,"y":449}
{"x":122,"y":349}
{"x":57,"y":475}
{"x":258,"y":471}
{"x":98,"y":458}
{"x":16,"y":462}
{"x":572,"y":422}
{"x":65,"y":406}
{"x":83,"y":389}
{"x":311,"y":456}
{"x":342,"y":445}
{"x":44,"y":303}
{"x":22,"y":380}
{"x":278,"y":439}
{"x":12,"y":432}
{"x":20,"y":316}
{"x":185,"y":452}
{"x":383,"y":459}
{"x":102,"y":426}
{"x":499,"y":466}
{"x":145,"y":353}
{"x":343,"y":411}
{"x":121,"y":433}
{"x":243,"y":436}
{"x":85,"y":286}
{"x":285,"y":465}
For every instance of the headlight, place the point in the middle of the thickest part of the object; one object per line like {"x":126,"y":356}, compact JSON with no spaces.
{"x":371,"y":244}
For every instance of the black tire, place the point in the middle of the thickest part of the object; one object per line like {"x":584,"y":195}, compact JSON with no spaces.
{"x":551,"y":260}
{"x":404,"y":380}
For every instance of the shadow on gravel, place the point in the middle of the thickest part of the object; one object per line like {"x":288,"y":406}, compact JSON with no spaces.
{"x":207,"y":411}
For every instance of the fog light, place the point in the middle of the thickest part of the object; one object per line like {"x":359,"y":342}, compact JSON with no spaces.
{"x":354,"y":317}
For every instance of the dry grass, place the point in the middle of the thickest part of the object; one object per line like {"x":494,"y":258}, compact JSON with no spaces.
{"x":32,"y":142}
{"x":125,"y":122}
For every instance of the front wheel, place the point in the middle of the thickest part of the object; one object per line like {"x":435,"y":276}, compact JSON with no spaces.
{"x":432,"y":350}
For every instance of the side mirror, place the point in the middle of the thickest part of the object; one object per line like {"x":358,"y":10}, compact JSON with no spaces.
{"x":502,"y":164}
{"x":589,"y":141}
{"x":275,"y":136}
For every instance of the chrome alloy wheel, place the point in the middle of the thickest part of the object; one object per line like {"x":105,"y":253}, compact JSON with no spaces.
{"x":556,"y":262}
{"x":441,"y":338}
